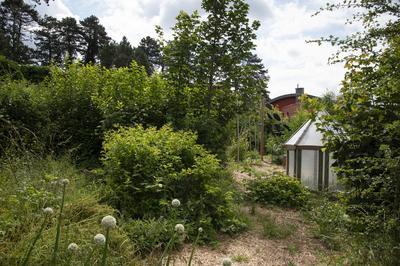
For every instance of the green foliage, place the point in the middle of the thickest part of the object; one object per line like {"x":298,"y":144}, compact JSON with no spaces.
{"x":274,"y":230}
{"x":332,"y":223}
{"x":232,"y":150}
{"x":278,"y":190}
{"x":14,"y":71}
{"x":30,"y":184}
{"x":150,"y":234}
{"x":146,"y":168}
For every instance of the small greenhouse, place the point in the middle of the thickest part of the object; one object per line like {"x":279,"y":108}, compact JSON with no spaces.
{"x":307,"y":161}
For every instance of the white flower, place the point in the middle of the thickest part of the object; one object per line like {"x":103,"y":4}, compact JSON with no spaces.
{"x":179,"y":228}
{"x":226,"y":262}
{"x":99,"y":239}
{"x":65,"y":181}
{"x":108,"y":222}
{"x":200,"y":230}
{"x":48,"y":211}
{"x":175,"y":203}
{"x":73,"y":247}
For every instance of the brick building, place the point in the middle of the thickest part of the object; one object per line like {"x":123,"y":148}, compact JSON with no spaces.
{"x":288,"y":104}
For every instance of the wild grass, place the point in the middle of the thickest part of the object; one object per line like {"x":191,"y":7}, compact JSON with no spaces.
{"x":27,"y":187}
{"x":274,"y":230}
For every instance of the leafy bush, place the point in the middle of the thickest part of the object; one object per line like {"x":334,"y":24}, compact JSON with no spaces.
{"x":32,"y":73}
{"x":332,"y":223}
{"x":282,"y":190}
{"x":146,"y":168}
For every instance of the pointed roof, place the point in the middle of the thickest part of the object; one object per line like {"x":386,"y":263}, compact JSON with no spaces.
{"x":306,"y":136}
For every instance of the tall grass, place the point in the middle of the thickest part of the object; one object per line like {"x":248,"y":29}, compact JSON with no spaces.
{"x":27,"y":187}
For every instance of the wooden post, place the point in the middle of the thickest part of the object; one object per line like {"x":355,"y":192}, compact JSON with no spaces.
{"x":262,"y":127}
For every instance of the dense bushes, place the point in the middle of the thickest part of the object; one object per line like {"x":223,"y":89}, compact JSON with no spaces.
{"x":146,"y":168}
{"x":11,"y":69}
{"x":278,"y":190}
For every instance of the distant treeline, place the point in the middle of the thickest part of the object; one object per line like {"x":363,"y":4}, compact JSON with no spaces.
{"x":57,"y":40}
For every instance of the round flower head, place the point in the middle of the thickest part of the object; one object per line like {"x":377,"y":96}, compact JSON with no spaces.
{"x":73,"y":247}
{"x":99,"y":239}
{"x":65,"y":181}
{"x":179,"y":228}
{"x":108,"y":222}
{"x":175,"y":203}
{"x":200,"y":230}
{"x":226,"y":262}
{"x":48,"y":211}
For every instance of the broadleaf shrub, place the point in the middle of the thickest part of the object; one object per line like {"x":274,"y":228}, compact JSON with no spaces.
{"x":278,"y":190}
{"x":146,"y":168}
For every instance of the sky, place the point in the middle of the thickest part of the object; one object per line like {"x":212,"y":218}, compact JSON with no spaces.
{"x":286,"y":25}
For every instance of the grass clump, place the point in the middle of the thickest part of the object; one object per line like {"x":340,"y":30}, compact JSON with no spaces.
{"x":241,"y":258}
{"x":274,"y":230}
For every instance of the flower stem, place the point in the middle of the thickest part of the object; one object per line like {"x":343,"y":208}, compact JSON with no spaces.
{"x":25,"y":262}
{"x":166,"y":249}
{"x":54,"y":259}
{"x":103,"y":262}
{"x":194,"y":247}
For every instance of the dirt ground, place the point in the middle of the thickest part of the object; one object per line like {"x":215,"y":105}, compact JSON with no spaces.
{"x":252,"y":247}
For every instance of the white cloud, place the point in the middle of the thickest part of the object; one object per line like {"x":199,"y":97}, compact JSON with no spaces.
{"x":286,"y":25}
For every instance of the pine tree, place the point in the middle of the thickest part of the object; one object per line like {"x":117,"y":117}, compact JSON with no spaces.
{"x":15,"y":19}
{"x":69,"y":32}
{"x":94,"y":38}
{"x":124,"y":53}
{"x":47,"y":41}
{"x":153,"y":52}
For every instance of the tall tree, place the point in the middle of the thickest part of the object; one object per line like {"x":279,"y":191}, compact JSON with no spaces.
{"x":94,"y":39}
{"x":47,"y":41}
{"x":141,"y":58}
{"x":227,"y":39}
{"x":108,"y":54}
{"x":152,"y":50}
{"x":15,"y":19}
{"x":70,"y":38}
{"x":124,"y":53}
{"x":363,"y":131}
{"x":181,"y":52}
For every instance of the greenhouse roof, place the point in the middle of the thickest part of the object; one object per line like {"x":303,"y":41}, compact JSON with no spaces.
{"x":306,"y":136}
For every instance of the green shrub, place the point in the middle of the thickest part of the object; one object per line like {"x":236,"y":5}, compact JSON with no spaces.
{"x":332,"y":223}
{"x":282,"y":190}
{"x":15,"y":71}
{"x":146,"y":168}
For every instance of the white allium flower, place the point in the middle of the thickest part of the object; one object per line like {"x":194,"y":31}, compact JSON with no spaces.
{"x":200,"y":230}
{"x":73,"y":247}
{"x":48,"y":211}
{"x":175,"y":203}
{"x":65,"y":181}
{"x":108,"y":222}
{"x":226,"y":262}
{"x":179,"y":228}
{"x":99,"y":239}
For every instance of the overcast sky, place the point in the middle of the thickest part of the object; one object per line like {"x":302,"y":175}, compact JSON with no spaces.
{"x":281,"y":41}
